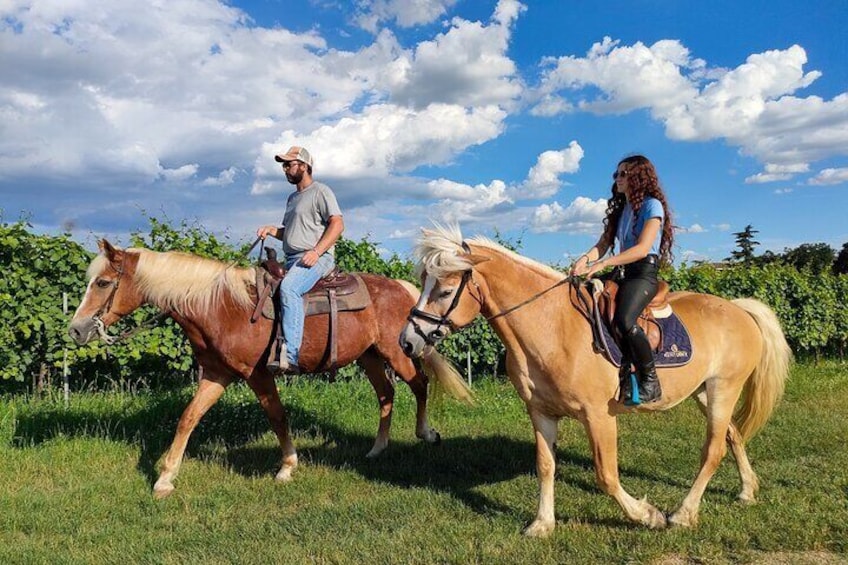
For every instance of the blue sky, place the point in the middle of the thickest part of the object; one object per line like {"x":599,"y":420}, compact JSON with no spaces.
{"x":502,"y":116}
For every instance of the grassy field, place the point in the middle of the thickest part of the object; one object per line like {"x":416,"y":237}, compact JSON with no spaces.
{"x":75,"y":484}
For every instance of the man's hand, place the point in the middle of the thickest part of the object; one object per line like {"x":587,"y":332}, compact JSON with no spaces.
{"x":265,"y":231}
{"x":309,"y":258}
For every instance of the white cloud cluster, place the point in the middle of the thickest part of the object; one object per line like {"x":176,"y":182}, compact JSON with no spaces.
{"x":583,"y":215}
{"x":405,"y":12}
{"x":543,"y":180}
{"x":751,"y":106}
{"x":830,"y":176}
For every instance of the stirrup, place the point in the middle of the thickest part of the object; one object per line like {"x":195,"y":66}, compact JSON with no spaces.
{"x":633,"y":399}
{"x":277,"y":360}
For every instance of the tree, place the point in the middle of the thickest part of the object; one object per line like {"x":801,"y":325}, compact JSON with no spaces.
{"x":840,"y":266}
{"x":817,"y":257}
{"x":746,"y":243}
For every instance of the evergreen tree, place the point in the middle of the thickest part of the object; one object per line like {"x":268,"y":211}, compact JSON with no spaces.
{"x":745,"y":243}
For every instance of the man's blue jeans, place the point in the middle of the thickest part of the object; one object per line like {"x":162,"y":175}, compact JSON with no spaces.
{"x":297,"y":282}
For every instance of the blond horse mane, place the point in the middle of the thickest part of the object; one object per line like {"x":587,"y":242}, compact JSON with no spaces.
{"x":439,"y":253}
{"x":185,"y":283}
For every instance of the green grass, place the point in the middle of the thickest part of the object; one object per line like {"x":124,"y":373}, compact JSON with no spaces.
{"x":75,"y":483}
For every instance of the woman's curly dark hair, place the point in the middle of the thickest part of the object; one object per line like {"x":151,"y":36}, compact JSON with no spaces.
{"x":643,"y":182}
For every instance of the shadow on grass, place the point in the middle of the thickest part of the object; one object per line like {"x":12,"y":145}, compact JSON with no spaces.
{"x":457,"y":466}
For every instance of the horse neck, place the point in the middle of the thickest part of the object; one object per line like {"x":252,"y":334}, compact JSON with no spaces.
{"x":201,"y":315}
{"x":508,"y":283}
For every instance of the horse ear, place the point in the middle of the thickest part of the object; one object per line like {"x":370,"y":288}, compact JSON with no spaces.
{"x":108,"y":250}
{"x":476,"y":259}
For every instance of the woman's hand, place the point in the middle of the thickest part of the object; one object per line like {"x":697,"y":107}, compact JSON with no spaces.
{"x":580,"y":267}
{"x":595,"y":268}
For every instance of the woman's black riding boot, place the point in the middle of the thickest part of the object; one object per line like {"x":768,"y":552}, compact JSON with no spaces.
{"x":649,"y":389}
{"x":649,"y":384}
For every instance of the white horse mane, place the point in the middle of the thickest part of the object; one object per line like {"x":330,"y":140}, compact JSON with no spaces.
{"x":439,"y":253}
{"x":184,"y":282}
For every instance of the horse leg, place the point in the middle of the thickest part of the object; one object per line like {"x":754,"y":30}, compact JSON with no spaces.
{"x":375,"y":369}
{"x":750,"y":483}
{"x":718,"y":422}
{"x":265,"y":389}
{"x":417,"y":381}
{"x":209,"y":390}
{"x":602,"y":430}
{"x":545,"y":429}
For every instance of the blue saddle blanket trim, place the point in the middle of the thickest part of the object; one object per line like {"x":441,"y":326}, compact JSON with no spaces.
{"x":675,"y":350}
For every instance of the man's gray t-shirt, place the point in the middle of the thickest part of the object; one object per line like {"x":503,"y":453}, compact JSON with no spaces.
{"x":308,"y":214}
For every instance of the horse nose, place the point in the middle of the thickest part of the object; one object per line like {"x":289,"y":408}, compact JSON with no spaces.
{"x":80,"y":332}
{"x":75,"y":334}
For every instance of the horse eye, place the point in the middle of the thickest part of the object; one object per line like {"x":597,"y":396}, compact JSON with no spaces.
{"x":103,"y":283}
{"x":446,"y":293}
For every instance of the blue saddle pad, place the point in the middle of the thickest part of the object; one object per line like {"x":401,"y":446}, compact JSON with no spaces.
{"x":675,"y":350}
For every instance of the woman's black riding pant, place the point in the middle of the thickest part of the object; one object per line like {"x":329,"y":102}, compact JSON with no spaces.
{"x":635,"y":291}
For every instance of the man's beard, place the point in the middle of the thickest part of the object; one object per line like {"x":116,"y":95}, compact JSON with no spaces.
{"x":294,"y":178}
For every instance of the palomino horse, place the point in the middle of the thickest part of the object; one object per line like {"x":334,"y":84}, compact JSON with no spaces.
{"x":737,"y":345}
{"x":212,"y":302}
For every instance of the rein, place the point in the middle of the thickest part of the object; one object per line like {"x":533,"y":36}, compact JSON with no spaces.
{"x":150,"y":322}
{"x":571,"y":280}
{"x":444,"y":320}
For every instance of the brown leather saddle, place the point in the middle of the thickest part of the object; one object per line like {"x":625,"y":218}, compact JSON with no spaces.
{"x":336,"y":292}
{"x":658,"y":307}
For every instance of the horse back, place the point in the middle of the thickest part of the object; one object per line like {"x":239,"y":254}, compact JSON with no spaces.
{"x":716,"y":323}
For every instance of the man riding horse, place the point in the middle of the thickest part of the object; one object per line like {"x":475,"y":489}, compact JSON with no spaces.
{"x":311,"y":226}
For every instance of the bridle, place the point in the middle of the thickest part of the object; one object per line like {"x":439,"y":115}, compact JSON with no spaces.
{"x":107,"y":305}
{"x":441,"y":321}
{"x":444,"y":320}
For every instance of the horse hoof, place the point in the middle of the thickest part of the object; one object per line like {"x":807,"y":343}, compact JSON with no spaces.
{"x":678,"y":520}
{"x":539,"y":529}
{"x":746,"y":498}
{"x":161,"y":492}
{"x":284,"y":476}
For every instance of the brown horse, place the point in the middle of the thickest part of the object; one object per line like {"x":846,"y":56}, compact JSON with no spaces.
{"x":737,"y":345}
{"x":212,"y":302}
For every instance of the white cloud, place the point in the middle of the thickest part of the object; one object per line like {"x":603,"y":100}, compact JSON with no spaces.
{"x":775,"y":172}
{"x":830,"y":176}
{"x":690,"y":256}
{"x":722,"y":227}
{"x":694,"y":228}
{"x":406,"y":13}
{"x":385,"y":139}
{"x":543,"y":178}
{"x":629,"y":77}
{"x":467,"y":65}
{"x":180,"y":174}
{"x":583,"y":215}
{"x":752,"y":106}
{"x":224,"y":178}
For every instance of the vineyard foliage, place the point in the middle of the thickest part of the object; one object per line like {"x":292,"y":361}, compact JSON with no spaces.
{"x":38,"y":269}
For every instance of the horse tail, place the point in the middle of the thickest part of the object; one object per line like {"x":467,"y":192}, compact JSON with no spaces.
{"x":439,"y":370}
{"x":765,"y":387}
